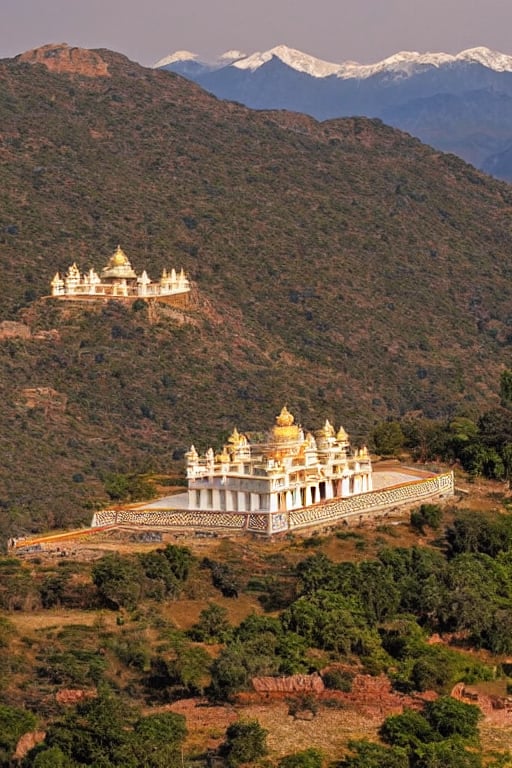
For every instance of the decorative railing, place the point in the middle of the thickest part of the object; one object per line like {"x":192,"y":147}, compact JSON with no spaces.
{"x":366,"y":504}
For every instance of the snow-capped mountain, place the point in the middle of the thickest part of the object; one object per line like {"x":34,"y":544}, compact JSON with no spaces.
{"x":458,"y":103}
{"x":404,"y":62}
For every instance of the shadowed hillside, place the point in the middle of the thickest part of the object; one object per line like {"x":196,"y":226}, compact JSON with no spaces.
{"x":342,"y":268}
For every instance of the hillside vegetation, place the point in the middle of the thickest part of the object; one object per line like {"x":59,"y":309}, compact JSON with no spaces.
{"x":123,"y":652}
{"x":341,"y":268}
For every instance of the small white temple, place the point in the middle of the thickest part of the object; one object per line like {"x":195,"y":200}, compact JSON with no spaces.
{"x":118,"y":279}
{"x":290,"y":471}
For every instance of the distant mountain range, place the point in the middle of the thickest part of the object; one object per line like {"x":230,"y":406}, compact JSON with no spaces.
{"x":456,"y":103}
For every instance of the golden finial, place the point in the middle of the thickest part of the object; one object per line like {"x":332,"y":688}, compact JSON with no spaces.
{"x":234,"y":437}
{"x":285,"y":418}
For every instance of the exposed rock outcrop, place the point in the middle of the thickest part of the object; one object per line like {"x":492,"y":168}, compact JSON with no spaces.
{"x":27,"y":742}
{"x":10,"y":329}
{"x":62,"y":58}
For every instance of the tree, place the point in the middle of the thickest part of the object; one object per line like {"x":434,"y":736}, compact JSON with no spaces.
{"x":314,"y":573}
{"x":53,"y":757}
{"x":157,"y":739}
{"x":366,"y":754}
{"x":96,"y":733}
{"x":128,"y":487}
{"x":246,"y":741}
{"x":449,"y":753}
{"x":432,"y":671}
{"x":461,"y":432}
{"x":213,"y":624}
{"x":495,"y":428}
{"x":388,"y":438}
{"x":327,"y":620}
{"x":449,"y":717}
{"x":506,"y":389}
{"x":161,"y":578}
{"x":119,"y":580}
{"x":474,"y":584}
{"x":180,"y":560}
{"x":224,"y":577}
{"x":189,"y":668}
{"x":407,"y":730}
{"x":229,"y":673}
{"x":427,"y":514}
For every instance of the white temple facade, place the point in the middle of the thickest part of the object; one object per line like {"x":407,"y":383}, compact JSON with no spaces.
{"x":291,"y":471}
{"x":118,"y":279}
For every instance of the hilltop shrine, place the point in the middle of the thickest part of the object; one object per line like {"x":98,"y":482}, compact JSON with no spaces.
{"x":118,"y":279}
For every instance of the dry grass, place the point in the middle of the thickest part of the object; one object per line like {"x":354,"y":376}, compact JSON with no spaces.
{"x":329,"y":730}
{"x":36,"y":621}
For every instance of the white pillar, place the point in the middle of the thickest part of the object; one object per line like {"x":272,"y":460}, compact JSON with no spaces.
{"x":345,"y":486}
{"x":309,"y":498}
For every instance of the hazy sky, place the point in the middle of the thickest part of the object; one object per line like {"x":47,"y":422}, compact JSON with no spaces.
{"x":335,"y":30}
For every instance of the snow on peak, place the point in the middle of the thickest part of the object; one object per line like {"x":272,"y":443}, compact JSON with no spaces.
{"x":302,"y":62}
{"x":401,"y":64}
{"x":174,"y":57}
{"x":232,"y":56}
{"x":500,"y":62}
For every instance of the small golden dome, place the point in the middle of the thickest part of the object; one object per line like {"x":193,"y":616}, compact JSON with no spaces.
{"x":285,"y":418}
{"x":118,"y":258}
{"x":342,"y":436}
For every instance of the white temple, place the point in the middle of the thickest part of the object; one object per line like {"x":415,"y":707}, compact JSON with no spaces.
{"x":118,"y":279}
{"x":291,"y":471}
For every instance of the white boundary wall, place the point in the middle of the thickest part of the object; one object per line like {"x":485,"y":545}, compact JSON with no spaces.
{"x":359,"y":508}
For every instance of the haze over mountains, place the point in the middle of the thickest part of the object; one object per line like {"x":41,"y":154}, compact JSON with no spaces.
{"x":460,"y":104}
{"x":341,"y":268}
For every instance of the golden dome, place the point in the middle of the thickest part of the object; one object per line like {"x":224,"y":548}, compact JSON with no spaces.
{"x":285,"y":418}
{"x":118,"y":258}
{"x":118,"y":267}
{"x":285,"y":430}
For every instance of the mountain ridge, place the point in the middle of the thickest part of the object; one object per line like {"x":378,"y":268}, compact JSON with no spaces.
{"x":402,"y":61}
{"x":342,"y":268}
{"x":396,"y":90}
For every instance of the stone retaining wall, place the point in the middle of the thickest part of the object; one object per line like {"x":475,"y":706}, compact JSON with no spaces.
{"x":362,"y":507}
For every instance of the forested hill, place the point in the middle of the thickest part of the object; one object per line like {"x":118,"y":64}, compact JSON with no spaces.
{"x":341,"y":268}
